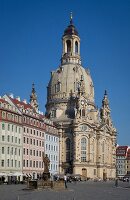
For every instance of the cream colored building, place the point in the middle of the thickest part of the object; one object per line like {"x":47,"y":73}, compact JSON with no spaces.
{"x":87,"y":135}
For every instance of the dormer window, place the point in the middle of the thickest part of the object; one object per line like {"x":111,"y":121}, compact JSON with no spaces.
{"x":53,"y":113}
{"x":58,"y":87}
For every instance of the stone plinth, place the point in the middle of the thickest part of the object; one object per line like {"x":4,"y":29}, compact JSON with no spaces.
{"x":41,"y":184}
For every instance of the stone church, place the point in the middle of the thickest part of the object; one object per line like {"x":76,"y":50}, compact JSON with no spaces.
{"x":87,"y":134}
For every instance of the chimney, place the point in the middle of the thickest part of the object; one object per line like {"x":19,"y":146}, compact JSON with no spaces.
{"x":11,"y":95}
{"x":18,"y":98}
{"x":25,"y":101}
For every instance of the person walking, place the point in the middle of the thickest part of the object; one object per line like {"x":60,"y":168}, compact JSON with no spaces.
{"x":65,"y":180}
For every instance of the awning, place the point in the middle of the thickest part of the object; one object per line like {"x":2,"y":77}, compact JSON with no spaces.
{"x":3,"y":174}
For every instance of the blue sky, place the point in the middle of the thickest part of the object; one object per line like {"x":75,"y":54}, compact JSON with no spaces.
{"x":31,"y":47}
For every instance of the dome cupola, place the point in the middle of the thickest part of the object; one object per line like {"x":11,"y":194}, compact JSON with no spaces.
{"x":71,"y":30}
{"x":71,"y":45}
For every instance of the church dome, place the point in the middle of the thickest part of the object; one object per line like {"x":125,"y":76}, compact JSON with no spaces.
{"x":68,"y":79}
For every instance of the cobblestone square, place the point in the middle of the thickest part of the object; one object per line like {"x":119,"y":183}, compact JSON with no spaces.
{"x":76,"y":191}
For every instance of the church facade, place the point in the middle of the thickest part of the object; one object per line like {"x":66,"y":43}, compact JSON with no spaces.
{"x":87,"y":135}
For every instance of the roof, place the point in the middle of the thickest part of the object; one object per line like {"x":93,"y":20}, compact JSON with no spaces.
{"x":3,"y":100}
{"x":121,"y":150}
{"x":71,"y":30}
{"x":18,"y":103}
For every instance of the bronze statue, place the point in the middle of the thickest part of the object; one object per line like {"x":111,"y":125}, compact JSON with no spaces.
{"x":46,"y":163}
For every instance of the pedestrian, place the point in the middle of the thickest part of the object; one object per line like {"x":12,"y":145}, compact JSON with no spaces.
{"x":116,"y":182}
{"x":65,"y":180}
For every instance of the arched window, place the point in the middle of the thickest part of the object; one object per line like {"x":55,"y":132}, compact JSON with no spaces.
{"x":83,"y":149}
{"x":76,"y":47}
{"x":67,"y":150}
{"x":68,"y":42}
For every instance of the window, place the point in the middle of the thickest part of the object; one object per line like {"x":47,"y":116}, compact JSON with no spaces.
{"x":30,"y":163}
{"x":103,"y":146}
{"x":83,"y":112}
{"x":8,"y":150}
{"x":12,"y":150}
{"x":15,"y":139}
{"x":27,"y":163}
{"x":83,"y":149}
{"x":40,"y":153}
{"x":8,"y":163}
{"x":2,"y":163}
{"x":12,"y":138}
{"x":31,"y":152}
{"x":15,"y":151}
{"x":3,"y":126}
{"x":23,"y":163}
{"x":68,"y":42}
{"x":94,"y":172}
{"x":3,"y":150}
{"x":58,"y":87}
{"x":67,"y":144}
{"x":12,"y":163}
{"x":8,"y":138}
{"x":15,"y":163}
{"x":27,"y":151}
{"x":76,"y":47}
{"x":8,"y":127}
{"x":39,"y":164}
{"x":3,"y":138}
{"x":3,"y":115}
{"x":24,"y":140}
{"x":67,"y":150}
{"x":53,"y":113}
{"x":30,"y":141}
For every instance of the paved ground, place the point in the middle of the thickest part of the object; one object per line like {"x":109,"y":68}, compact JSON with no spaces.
{"x":80,"y":191}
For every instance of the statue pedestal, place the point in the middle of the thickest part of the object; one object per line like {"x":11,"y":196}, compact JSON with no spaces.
{"x":42,"y":184}
{"x":46,"y":176}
